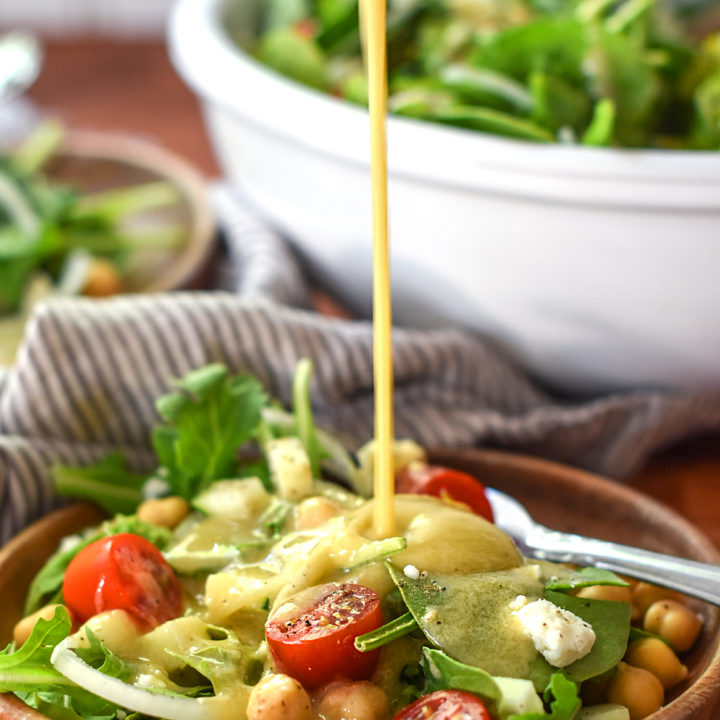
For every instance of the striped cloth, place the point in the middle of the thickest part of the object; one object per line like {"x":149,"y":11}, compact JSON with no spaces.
{"x":89,"y":371}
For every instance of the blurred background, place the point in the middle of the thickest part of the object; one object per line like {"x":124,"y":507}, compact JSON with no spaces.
{"x":105,"y":66}
{"x":130,"y":18}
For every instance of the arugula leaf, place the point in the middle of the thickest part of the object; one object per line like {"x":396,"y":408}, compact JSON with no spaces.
{"x":53,"y":705}
{"x":562,"y":695}
{"x":444,"y":673}
{"x":707,"y":111}
{"x":108,"y":484}
{"x":505,"y":696}
{"x":216,"y":660}
{"x":599,"y":132}
{"x":583,"y":577}
{"x":290,"y":53}
{"x":201,"y":664}
{"x":552,"y":45}
{"x":102,"y":659}
{"x":207,"y":420}
{"x":558,"y":104}
{"x":46,"y":585}
{"x":29,"y":674}
{"x":621,"y":72}
{"x":494,"y":121}
{"x":17,"y":261}
{"x":29,"y":665}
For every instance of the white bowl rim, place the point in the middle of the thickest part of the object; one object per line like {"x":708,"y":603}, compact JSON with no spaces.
{"x":646,"y":179}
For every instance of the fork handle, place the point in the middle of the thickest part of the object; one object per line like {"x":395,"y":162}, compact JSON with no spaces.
{"x":690,"y":577}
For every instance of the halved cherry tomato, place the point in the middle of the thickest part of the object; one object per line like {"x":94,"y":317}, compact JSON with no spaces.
{"x":445,"y":705}
{"x":313,"y":639}
{"x":123,"y":572}
{"x":441,"y":482}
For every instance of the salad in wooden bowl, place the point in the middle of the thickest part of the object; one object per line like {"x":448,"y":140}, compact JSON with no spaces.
{"x":242,"y":579}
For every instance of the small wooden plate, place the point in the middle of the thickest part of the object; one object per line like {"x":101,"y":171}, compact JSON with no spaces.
{"x":558,"y":496}
{"x":96,"y":161}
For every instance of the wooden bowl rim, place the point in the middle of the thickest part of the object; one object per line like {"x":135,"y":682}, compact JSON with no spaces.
{"x":690,"y":704}
{"x":142,"y":153}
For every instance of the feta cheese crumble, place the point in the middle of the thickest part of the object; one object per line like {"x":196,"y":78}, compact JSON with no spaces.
{"x":519,"y":602}
{"x":411,"y":572}
{"x":560,"y":636}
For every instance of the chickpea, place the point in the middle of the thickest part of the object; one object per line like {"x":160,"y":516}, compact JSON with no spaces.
{"x":654,"y":655}
{"x":353,"y":701}
{"x":166,"y":512}
{"x":24,"y":627}
{"x":102,"y":279}
{"x":673,"y":622}
{"x":637,"y":689}
{"x":279,"y":697}
{"x":315,"y":511}
{"x":644,"y":595}
{"x":614,"y":593}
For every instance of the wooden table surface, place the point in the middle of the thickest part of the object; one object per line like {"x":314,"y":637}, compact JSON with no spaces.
{"x":132,"y":87}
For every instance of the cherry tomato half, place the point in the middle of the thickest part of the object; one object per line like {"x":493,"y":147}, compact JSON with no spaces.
{"x":313,"y":639}
{"x":123,"y":572}
{"x":445,"y":705}
{"x":441,"y":482}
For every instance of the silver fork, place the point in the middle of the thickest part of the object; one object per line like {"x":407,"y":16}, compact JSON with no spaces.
{"x":690,"y":577}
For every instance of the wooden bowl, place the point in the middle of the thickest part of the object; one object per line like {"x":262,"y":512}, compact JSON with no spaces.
{"x":558,"y":496}
{"x":96,"y":161}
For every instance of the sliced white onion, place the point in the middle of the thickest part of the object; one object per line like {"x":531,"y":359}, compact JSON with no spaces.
{"x":66,"y":662}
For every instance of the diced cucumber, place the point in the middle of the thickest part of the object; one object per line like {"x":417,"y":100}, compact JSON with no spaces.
{"x":243,"y":498}
{"x":192,"y":562}
{"x":518,"y":696}
{"x":290,"y":469}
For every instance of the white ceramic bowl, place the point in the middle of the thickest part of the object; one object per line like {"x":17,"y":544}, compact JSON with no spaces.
{"x":597,"y":268}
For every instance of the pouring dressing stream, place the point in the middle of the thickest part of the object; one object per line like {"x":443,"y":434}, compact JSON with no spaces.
{"x":374,"y":13}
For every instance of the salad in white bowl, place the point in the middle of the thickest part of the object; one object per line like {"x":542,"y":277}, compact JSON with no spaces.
{"x":594,"y":266}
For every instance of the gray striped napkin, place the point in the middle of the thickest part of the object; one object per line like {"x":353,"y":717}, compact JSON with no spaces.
{"x":89,"y":371}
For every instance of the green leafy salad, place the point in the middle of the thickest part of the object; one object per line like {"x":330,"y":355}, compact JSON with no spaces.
{"x":56,"y":239}
{"x":626,"y":73}
{"x":243,"y":579}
